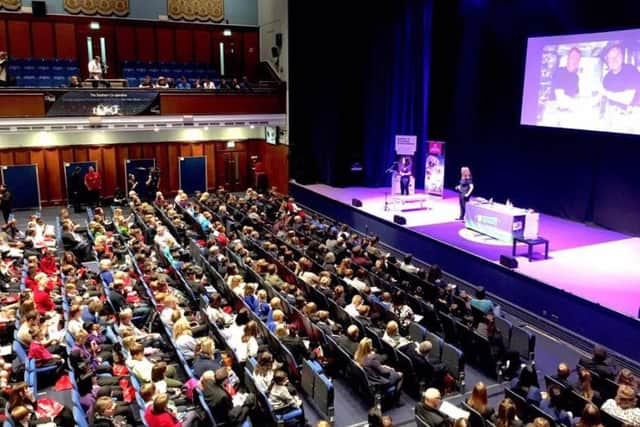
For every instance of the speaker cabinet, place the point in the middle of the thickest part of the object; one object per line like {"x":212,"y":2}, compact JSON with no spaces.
{"x":39,"y":8}
{"x":279,"y":39}
{"x":356,"y":202}
{"x":508,"y":261}
{"x":398,"y":219}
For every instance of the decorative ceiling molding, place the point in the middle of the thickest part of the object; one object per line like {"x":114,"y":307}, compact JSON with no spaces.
{"x":196,"y":10}
{"x":97,"y":7}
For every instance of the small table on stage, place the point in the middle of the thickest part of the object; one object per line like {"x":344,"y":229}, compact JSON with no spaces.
{"x":531,"y":243}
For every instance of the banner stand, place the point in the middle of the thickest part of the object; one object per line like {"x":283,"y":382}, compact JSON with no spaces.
{"x":434,"y":168}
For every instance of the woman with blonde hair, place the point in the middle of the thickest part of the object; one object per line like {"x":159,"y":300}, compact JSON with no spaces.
{"x":392,"y":335}
{"x":376,"y":372}
{"x":464,"y":188}
{"x":183,"y":338}
{"x":248,"y":343}
{"x":625,"y":376}
{"x":624,"y":405}
{"x":479,"y":400}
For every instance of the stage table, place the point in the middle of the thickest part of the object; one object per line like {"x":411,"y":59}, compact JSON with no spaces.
{"x":500,"y":221}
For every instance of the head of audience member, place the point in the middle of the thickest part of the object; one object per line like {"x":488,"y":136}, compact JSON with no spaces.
{"x":408,"y":259}
{"x":479,"y":399}
{"x":480,"y":293}
{"x":557,"y":397}
{"x":506,"y":413}
{"x":365,"y":347}
{"x":392,"y":328}
{"x":432,"y":398}
{"x":435,"y":273}
{"x":625,"y":376}
{"x":626,"y":397}
{"x":528,"y":377}
{"x":104,"y":406}
{"x":461,"y":422}
{"x":540,"y":422}
{"x":599,"y":354}
{"x":563,"y":371}
{"x":590,"y":416}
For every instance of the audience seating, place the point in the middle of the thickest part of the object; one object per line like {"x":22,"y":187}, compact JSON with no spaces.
{"x":43,"y":72}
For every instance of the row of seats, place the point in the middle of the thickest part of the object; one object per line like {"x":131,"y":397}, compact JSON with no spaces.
{"x":135,"y":71}
{"x":42,"y":72}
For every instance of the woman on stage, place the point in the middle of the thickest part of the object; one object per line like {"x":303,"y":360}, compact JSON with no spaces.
{"x":465,"y":188}
{"x":405,"y":176}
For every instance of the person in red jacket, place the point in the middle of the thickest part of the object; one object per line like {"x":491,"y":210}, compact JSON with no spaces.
{"x":158,"y":415}
{"x":93,"y":182}
{"x":48,"y":263}
{"x":42,"y":298}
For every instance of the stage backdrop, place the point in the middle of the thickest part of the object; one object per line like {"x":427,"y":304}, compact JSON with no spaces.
{"x":382,"y":55}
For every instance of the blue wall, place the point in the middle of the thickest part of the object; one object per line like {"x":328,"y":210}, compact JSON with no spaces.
{"x":237,"y":12}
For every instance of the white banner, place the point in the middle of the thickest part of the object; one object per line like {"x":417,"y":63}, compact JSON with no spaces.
{"x":406,"y":145}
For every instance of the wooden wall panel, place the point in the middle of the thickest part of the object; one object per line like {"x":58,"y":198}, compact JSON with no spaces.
{"x":110,"y":171}
{"x":185,"y":150}
{"x":22,"y":157}
{"x":135,"y":151}
{"x":19,"y":39}
{"x":65,"y":40}
{"x":6,"y":158}
{"x":148,"y":151}
{"x":125,"y":43}
{"x":146,"y":43}
{"x":43,"y":40}
{"x":184,"y":46}
{"x":80,"y":154}
{"x":202,"y":42}
{"x":54,"y":173}
{"x":210,"y":152}
{"x":166,"y":45}
{"x":67,"y":155}
{"x":170,"y":175}
{"x":196,"y":149}
{"x":95,"y":155}
{"x":3,"y":35}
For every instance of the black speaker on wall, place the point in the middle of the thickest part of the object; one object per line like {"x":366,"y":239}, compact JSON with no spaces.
{"x":398,"y":219}
{"x":356,"y":202}
{"x":39,"y":8}
{"x":508,"y":261}
{"x":279,"y":39}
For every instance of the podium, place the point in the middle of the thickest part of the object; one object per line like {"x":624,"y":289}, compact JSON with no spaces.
{"x":395,"y":185}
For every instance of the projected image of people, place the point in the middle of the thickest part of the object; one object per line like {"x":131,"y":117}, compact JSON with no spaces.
{"x":587,"y":81}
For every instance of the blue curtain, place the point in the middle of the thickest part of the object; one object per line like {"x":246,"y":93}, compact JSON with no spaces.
{"x":397,"y":90}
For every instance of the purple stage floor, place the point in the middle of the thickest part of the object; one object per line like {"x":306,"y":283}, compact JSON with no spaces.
{"x":595,"y":264}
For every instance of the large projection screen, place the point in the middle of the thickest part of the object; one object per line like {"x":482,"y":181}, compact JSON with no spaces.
{"x":583,"y":81}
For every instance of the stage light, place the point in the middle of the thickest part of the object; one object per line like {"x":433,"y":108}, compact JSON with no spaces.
{"x":94,"y":25}
{"x":252,"y":126}
{"x":226,"y":33}
{"x":140,"y":126}
{"x":155,"y":129}
{"x":206,"y":128}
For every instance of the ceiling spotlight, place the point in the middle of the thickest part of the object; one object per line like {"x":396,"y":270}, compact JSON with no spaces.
{"x":169,"y":125}
{"x":140,"y":126}
{"x":80,"y":127}
{"x":155,"y":129}
{"x":206,"y":128}
{"x":252,"y":126}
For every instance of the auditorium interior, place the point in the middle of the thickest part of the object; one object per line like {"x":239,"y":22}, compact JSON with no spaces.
{"x":237,"y":213}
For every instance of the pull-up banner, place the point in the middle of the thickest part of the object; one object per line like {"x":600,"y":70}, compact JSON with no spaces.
{"x":406,"y":145}
{"x":434,"y":168}
{"x":105,"y":103}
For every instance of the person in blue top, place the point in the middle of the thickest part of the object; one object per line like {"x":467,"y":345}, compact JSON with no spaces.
{"x":465,"y":188}
{"x":481,"y":302}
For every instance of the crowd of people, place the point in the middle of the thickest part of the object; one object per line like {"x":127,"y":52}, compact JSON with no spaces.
{"x":156,"y":325}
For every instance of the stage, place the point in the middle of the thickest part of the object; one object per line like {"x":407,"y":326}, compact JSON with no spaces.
{"x":598,"y":266}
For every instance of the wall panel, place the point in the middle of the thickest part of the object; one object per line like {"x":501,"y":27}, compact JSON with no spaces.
{"x":185,"y":149}
{"x":53,"y":171}
{"x":148,"y":151}
{"x":19,"y":33}
{"x":210,"y":152}
{"x":146,"y":43}
{"x":166,"y":45}
{"x":80,"y":154}
{"x":6,"y":158}
{"x":170,"y":175}
{"x":22,"y":157}
{"x":65,"y":40}
{"x":125,"y":43}
{"x":3,"y":35}
{"x":43,"y":40}
{"x":251,"y":53}
{"x":203,"y":46}
{"x":110,"y":170}
{"x":36,"y":156}
{"x":196,"y":149}
{"x":184,"y":45}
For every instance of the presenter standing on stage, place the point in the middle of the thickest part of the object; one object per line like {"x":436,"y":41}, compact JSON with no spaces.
{"x":405,"y":176}
{"x":465,"y":188}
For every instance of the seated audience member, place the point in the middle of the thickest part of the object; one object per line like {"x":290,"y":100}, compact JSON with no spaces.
{"x":104,"y":415}
{"x":481,"y":302}
{"x":427,"y":409}
{"x":204,"y":357}
{"x":479,"y":401}
{"x":556,"y":406}
{"x":590,"y":417}
{"x":506,"y":415}
{"x":74,"y":82}
{"x":377,"y":373}
{"x":162,"y":83}
{"x":625,"y":376}
{"x":220,"y":402}
{"x":290,"y":339}
{"x":539,"y":422}
{"x":183,"y":337}
{"x":527,"y":386}
{"x":159,"y":415}
{"x":407,"y":264}
{"x":624,"y":406}
{"x":392,"y":335}
{"x":183,"y":83}
{"x":562,"y":375}
{"x":279,"y":394}
{"x":585,"y":389}
{"x":599,"y":363}
{"x":146,"y":83}
{"x":349,"y":341}
{"x":431,"y":373}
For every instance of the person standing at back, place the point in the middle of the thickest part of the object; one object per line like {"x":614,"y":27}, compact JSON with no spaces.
{"x":93,"y":182}
{"x":465,"y":188}
{"x":6,"y":200}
